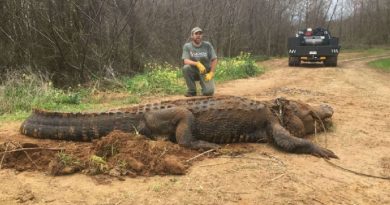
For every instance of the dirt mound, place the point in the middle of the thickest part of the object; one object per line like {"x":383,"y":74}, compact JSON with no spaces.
{"x":117,"y":154}
{"x":129,"y":154}
{"x":26,"y":156}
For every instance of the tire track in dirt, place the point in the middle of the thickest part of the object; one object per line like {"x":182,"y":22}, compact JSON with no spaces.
{"x":360,"y":96}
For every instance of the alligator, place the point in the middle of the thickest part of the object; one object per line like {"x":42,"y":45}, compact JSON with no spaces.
{"x":197,"y":122}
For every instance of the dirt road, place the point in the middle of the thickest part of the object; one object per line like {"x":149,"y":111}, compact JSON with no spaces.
{"x":360,"y":97}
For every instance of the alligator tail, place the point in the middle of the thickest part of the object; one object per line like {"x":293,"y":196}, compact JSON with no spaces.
{"x":77,"y":126}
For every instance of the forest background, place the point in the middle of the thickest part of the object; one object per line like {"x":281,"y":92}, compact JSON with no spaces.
{"x":76,"y":41}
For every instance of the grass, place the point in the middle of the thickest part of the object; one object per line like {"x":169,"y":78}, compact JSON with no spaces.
{"x":22,"y":91}
{"x":383,"y":64}
{"x":376,"y":51}
{"x":98,"y":164}
{"x":348,"y":53}
{"x":366,"y":51}
{"x":67,"y":160}
{"x":242,"y":66}
{"x":16,"y":116}
{"x":165,"y":79}
{"x":159,"y":79}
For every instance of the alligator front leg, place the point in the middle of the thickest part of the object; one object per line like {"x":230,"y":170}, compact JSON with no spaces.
{"x":184,"y":129}
{"x":178,"y":121}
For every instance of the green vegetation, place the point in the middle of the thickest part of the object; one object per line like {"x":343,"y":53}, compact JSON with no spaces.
{"x":98,"y":164}
{"x":158,"y":79}
{"x":383,"y":64}
{"x":366,"y":51}
{"x":242,"y":66}
{"x":16,"y":116}
{"x":376,"y":50}
{"x":21,"y":92}
{"x":165,"y":79}
{"x":67,"y":160}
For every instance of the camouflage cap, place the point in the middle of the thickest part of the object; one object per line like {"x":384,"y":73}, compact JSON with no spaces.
{"x":196,"y":29}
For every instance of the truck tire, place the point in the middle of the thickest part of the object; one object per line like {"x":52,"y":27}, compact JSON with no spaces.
{"x":331,"y":61}
{"x":294,"y":61}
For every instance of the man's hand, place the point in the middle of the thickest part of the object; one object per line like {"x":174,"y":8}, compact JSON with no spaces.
{"x":209,"y":76}
{"x":201,"y":68}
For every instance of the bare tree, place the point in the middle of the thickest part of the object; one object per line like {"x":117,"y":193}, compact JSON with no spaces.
{"x":80,"y":40}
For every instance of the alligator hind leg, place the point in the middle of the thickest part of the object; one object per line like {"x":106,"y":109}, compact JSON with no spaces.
{"x":178,"y":121}
{"x":289,"y":143}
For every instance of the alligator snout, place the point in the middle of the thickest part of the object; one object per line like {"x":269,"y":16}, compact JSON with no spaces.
{"x":326,"y":111}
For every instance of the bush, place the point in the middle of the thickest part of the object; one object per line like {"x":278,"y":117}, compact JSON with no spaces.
{"x":242,"y":66}
{"x":167,"y":79}
{"x":58,"y":99}
{"x":158,"y":79}
{"x":21,"y":91}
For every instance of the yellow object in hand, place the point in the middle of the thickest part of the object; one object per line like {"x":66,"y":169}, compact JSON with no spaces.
{"x":209,"y":76}
{"x":201,"y":68}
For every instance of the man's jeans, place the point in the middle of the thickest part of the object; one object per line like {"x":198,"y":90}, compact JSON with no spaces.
{"x":191,"y":74}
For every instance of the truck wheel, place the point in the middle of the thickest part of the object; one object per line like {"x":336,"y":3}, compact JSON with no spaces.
{"x":331,"y":61}
{"x":294,"y":61}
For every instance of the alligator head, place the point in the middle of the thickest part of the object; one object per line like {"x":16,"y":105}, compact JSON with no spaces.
{"x":302,"y":119}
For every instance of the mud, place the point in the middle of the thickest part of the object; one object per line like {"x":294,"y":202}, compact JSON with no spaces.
{"x":117,"y":154}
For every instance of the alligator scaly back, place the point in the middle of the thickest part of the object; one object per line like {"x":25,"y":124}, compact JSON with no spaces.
{"x":88,"y":126}
{"x":195,"y":122}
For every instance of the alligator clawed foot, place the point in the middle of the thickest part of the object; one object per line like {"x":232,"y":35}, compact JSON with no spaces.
{"x":323,"y":153}
{"x":200,"y":144}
